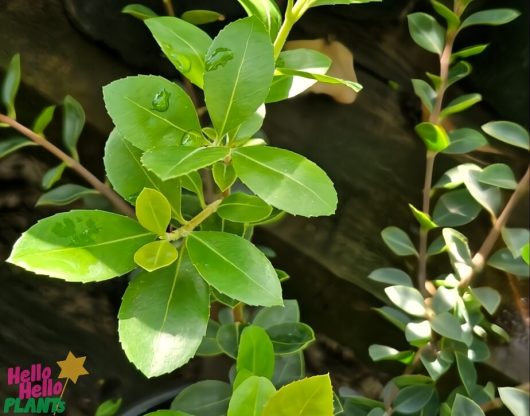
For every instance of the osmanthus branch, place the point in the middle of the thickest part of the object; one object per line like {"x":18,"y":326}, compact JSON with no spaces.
{"x":194,"y":222}
{"x":77,"y":167}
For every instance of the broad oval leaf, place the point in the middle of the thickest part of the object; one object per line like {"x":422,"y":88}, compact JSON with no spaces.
{"x":434,"y":136}
{"x":12,"y":144}
{"x":73,"y":123}
{"x":151,"y":111}
{"x":391,"y":276}
{"x":288,"y":368}
{"x":250,"y":397}
{"x":418,"y":333}
{"x":224,"y":175}
{"x":455,"y":208}
{"x":290,"y":337}
{"x":163,"y":318}
{"x":493,"y":17}
{"x":464,"y":141}
{"x":398,"y":241}
{"x":235,"y":267}
{"x":426,"y":32}
{"x":81,"y":246}
{"x":267,"y":12}
{"x":408,"y":299}
{"x":240,"y":207}
{"x":498,"y":174}
{"x":155,"y":255}
{"x":465,"y":406}
{"x":153,"y":211}
{"x":239,"y":70}
{"x":205,"y":398}
{"x":488,"y":196}
{"x":508,"y":132}
{"x":308,"y":397}
{"x":448,"y":326}
{"x":505,"y":261}
{"x":275,"y":175}
{"x":255,"y":352}
{"x":515,"y":239}
{"x":169,"y":162}
{"x":183,"y":43}
{"x":228,"y":337}
{"x":517,"y":400}
{"x":139,"y":11}
{"x":275,"y":315}
{"x":460,"y":104}
{"x":64,"y":195}
{"x":413,"y":398}
{"x":9,"y":87}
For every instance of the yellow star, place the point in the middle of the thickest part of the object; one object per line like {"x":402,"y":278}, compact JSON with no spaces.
{"x":72,"y":367}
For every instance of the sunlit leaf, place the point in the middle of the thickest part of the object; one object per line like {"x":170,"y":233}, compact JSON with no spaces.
{"x":508,"y":132}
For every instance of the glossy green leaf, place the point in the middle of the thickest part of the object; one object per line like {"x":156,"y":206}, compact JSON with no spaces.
{"x":425,"y":93}
{"x":444,"y":300}
{"x":43,"y":119}
{"x":109,"y":408}
{"x":201,"y":17}
{"x":308,"y":397}
{"x":139,"y":11}
{"x":426,"y":32}
{"x":498,"y":174}
{"x":455,"y":208}
{"x":412,"y":398}
{"x":306,"y":60}
{"x":250,"y":126}
{"x":240,"y":207}
{"x":52,"y":176}
{"x":458,"y":72}
{"x":394,"y":316}
{"x":250,"y":397}
{"x":436,"y":364}
{"x":488,"y":297}
{"x":267,"y":11}
{"x":488,"y":196}
{"x":437,"y":246}
{"x":459,"y":252}
{"x":205,"y":398}
{"x":517,"y":400}
{"x":355,"y":402}
{"x":525,"y":253}
{"x":9,"y":87}
{"x":447,"y":325}
{"x":153,"y":211}
{"x":423,"y":219}
{"x":418,"y":333}
{"x":80,"y":246}
{"x":515,"y":239}
{"x":193,"y":183}
{"x":290,"y":337}
{"x":239,"y":70}
{"x":325,"y":79}
{"x":504,"y":260}
{"x":184,"y":44}
{"x":464,"y":141}
{"x":173,"y":161}
{"x":209,"y":345}
{"x":129,"y":177}
{"x":508,"y":132}
{"x":460,"y":104}
{"x":255,"y":353}
{"x":163,"y":317}
{"x":224,"y":175}
{"x":434,"y":136}
{"x":391,"y":276}
{"x":465,"y":406}
{"x":288,"y":368}
{"x":64,"y":195}
{"x":453,"y":21}
{"x":73,"y":123}
{"x":466,"y":370}
{"x":382,"y":353}
{"x":470,"y":51}
{"x":411,"y":379}
{"x":12,"y":144}
{"x":155,"y":255}
{"x":275,"y":175}
{"x":398,"y":241}
{"x":274,"y":315}
{"x":407,"y":298}
{"x":151,"y":111}
{"x":235,"y":267}
{"x":456,"y":176}
{"x":493,"y":17}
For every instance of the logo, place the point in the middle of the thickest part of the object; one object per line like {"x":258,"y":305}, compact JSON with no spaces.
{"x":38,"y":391}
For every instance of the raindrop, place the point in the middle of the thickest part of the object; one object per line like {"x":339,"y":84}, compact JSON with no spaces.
{"x":190,"y":140}
{"x":182,"y":64}
{"x":218,"y":58}
{"x":161,"y":100}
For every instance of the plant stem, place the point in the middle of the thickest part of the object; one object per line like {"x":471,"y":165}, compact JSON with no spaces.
{"x":194,"y":222}
{"x":238,"y":314}
{"x":99,"y":186}
{"x":168,"y":5}
{"x":292,"y":15}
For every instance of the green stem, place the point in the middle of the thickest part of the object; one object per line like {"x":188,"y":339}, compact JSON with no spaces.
{"x":168,"y":5}
{"x":73,"y":164}
{"x":292,"y":15}
{"x":186,"y":229}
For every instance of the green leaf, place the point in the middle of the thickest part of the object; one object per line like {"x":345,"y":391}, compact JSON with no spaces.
{"x":153,"y":211}
{"x":224,"y":175}
{"x":459,"y":252}
{"x":129,"y":177}
{"x":436,"y":364}
{"x":308,"y":397}
{"x":255,"y":352}
{"x":517,"y":400}
{"x":382,"y":353}
{"x":290,"y":337}
{"x":458,"y":72}
{"x":425,"y":93}
{"x":64,"y":195}
{"x":228,"y":338}
{"x":413,"y":398}
{"x":466,"y":370}
{"x":235,"y":267}
{"x":184,"y":44}
{"x":268,"y":317}
{"x":250,"y":398}
{"x":508,"y":132}
{"x":167,"y":413}
{"x":12,"y":144}
{"x":437,"y":246}
{"x":408,"y":299}
{"x":391,"y":276}
{"x":456,"y":176}
{"x":434,"y":136}
{"x":504,"y":260}
{"x":326,"y":79}
{"x":250,"y":126}
{"x":155,"y":255}
{"x":163,"y":317}
{"x":209,"y":345}
{"x":423,"y":219}
{"x":525,"y":253}
{"x":493,"y":17}
{"x":108,"y":408}
{"x":288,"y":368}
{"x":201,"y":17}
{"x":275,"y":175}
{"x":460,"y":104}
{"x":205,"y":398}
{"x":444,"y":300}
{"x":498,"y":174}
{"x":448,"y":326}
{"x":394,"y":316}
{"x":411,"y":379}
{"x":453,"y":21}
{"x":470,"y":51}
{"x":10,"y":85}
{"x":267,"y":12}
{"x":426,"y":32}
{"x":418,"y":333}
{"x":169,"y":162}
{"x":139,"y":11}
{"x":398,"y":241}
{"x":488,"y":196}
{"x":515,"y":239}
{"x":239,"y":70}
{"x":151,"y":111}
{"x":316,"y":3}
{"x":73,"y":123}
{"x":465,"y":406}
{"x":240,"y":207}
{"x":80,"y":246}
{"x":455,"y":208}
{"x":464,"y":141}
{"x":53,"y":175}
{"x":43,"y":119}
{"x":488,"y":297}
{"x":306,"y":60}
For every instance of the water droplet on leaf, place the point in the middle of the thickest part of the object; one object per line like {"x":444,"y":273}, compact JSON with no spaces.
{"x":218,"y":58}
{"x":161,"y":100}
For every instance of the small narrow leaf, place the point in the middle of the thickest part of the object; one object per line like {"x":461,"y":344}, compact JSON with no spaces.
{"x":394,"y":316}
{"x":467,"y":372}
{"x":153,"y":211}
{"x":267,"y":11}
{"x":224,"y":175}
{"x":155,"y":255}
{"x":425,"y":93}
{"x":470,"y":51}
{"x":255,"y":353}
{"x":508,"y":132}
{"x":240,"y":207}
{"x":201,"y":17}
{"x":493,"y":17}
{"x":64,"y":195}
{"x":423,"y":219}
{"x":398,"y":241}
{"x":109,"y":408}
{"x":383,"y":352}
{"x":391,"y":276}
{"x":453,"y":21}
{"x":326,"y":79}
{"x":408,"y":299}
{"x":458,"y":72}
{"x":460,"y":104}
{"x":139,"y":11}
{"x":52,"y":176}
{"x":73,"y":123}
{"x":43,"y":119}
{"x":459,"y":252}
{"x":434,"y":136}
{"x":10,"y":85}
{"x":426,"y":32}
{"x":12,"y":144}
